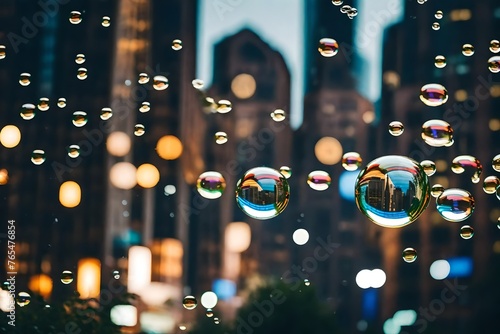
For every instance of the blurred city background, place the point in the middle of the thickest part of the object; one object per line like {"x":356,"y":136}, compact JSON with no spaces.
{"x":132,"y":219}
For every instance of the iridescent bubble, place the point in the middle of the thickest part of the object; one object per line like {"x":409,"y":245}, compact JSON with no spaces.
{"x":2,"y":52}
{"x":66,"y":277}
{"x":80,"y":58}
{"x":490,"y":184}
{"x":495,"y":163}
{"x":145,"y":107}
{"x":351,"y":161}
{"x":160,"y":82}
{"x":198,"y":84}
{"x":437,"y":133}
{"x":392,"y":191}
{"x":176,"y":44}
{"x":28,"y":111}
{"x":437,"y":190}
{"x":328,"y":47}
{"x":210,"y":313}
{"x":409,"y":255}
{"x":494,"y":46}
{"x":75,"y":17}
{"x":439,"y":14}
{"x":262,"y":193}
{"x":106,"y":113}
{"x":224,"y":106}
{"x":189,"y":302}
{"x":38,"y":157}
{"x":429,"y":167}
{"x":460,"y":163}
{"x":467,"y":50}
{"x":24,"y":79}
{"x":396,"y":128}
{"x":455,"y":205}
{"x":433,"y":95}
{"x":106,"y":21}
{"x":61,"y":102}
{"x":440,"y":61}
{"x":221,"y":137}
{"x":337,"y":2}
{"x":211,"y":185}
{"x":345,"y":8}
{"x":319,"y":180}
{"x":143,"y":78}
{"x":286,"y":171}
{"x":116,"y":274}
{"x":79,"y":118}
{"x":23,"y":299}
{"x":494,"y":64}
{"x":74,"y":151}
{"x":436,"y":26}
{"x":139,"y":130}
{"x":466,"y":232}
{"x":278,"y":115}
{"x":82,"y":73}
{"x":43,"y":104}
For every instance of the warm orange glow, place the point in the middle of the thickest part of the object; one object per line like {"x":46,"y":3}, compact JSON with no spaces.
{"x":118,"y":144}
{"x":89,"y":278}
{"x":41,"y":284}
{"x":70,"y":194}
{"x":4,"y":177}
{"x":148,"y":176}
{"x":243,"y":86}
{"x":171,"y":258}
{"x":169,"y":147}
{"x":328,"y":151}
{"x":460,"y":15}
{"x":123,"y":175}
{"x":10,"y":136}
{"x":237,"y":237}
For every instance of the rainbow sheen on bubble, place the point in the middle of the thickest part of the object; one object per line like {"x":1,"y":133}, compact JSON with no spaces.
{"x":463,"y":162}
{"x":437,"y":133}
{"x":211,"y":185}
{"x":455,"y":205}
{"x":351,"y":161}
{"x":319,"y":180}
{"x":433,"y":95}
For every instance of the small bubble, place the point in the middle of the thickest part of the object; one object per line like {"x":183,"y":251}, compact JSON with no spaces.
{"x":467,"y":50}
{"x":286,"y":171}
{"x":455,"y":204}
{"x":224,"y":106}
{"x":23,"y":299}
{"x":2,"y":52}
{"x":337,"y":2}
{"x":79,"y":118}
{"x":352,"y":13}
{"x":160,"y":82}
{"x":466,"y":232}
{"x":139,"y":130}
{"x":74,"y":151}
{"x":5,"y":285}
{"x":307,"y":282}
{"x":436,"y":190}
{"x":221,"y":137}
{"x":429,"y":167}
{"x":28,"y":111}
{"x":345,"y":9}
{"x":116,"y":274}
{"x":421,"y":2}
{"x":75,"y":17}
{"x":189,"y":302}
{"x":106,"y":113}
{"x":328,"y":47}
{"x":409,"y":255}
{"x":495,"y":163}
{"x":440,"y":61}
{"x":396,"y":128}
{"x":145,"y":107}
{"x":436,"y":26}
{"x":439,"y":14}
{"x":209,"y":313}
{"x":494,"y":64}
{"x":319,"y":180}
{"x":106,"y":21}
{"x":278,"y":115}
{"x":38,"y":157}
{"x":176,"y":44}
{"x":351,"y":161}
{"x":494,"y":46}
{"x":437,"y":133}
{"x":433,"y":95}
{"x":198,"y":83}
{"x":80,"y":58}
{"x":182,"y":327}
{"x":143,"y":78}
{"x":66,"y":277}
{"x":460,"y":163}
{"x":82,"y":73}
{"x":216,"y":321}
{"x":43,"y":104}
{"x":211,"y":185}
{"x":61,"y":102}
{"x":490,"y":184}
{"x":24,"y":79}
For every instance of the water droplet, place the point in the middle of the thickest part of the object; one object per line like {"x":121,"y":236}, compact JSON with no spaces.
{"x":345,"y":8}
{"x":211,"y":185}
{"x":38,"y":157}
{"x":466,"y":232}
{"x":61,"y":102}
{"x":5,"y":285}
{"x":455,"y":204}
{"x":75,"y":17}
{"x":80,"y":58}
{"x":160,"y":82}
{"x":436,"y":26}
{"x":328,"y":47}
{"x":437,"y":133}
{"x":490,"y":184}
{"x":82,"y":73}
{"x":433,"y":95}
{"x":2,"y":52}
{"x":74,"y":151}
{"x":494,"y":64}
{"x":143,"y":78}
{"x":461,"y":162}
{"x":392,"y":191}
{"x":440,"y":61}
{"x":437,"y":190}
{"x":176,"y":44}
{"x":286,"y":171}
{"x":467,"y":50}
{"x":439,"y":14}
{"x":429,"y":167}
{"x":198,"y":83}
{"x":262,"y":193}
{"x":106,"y":21}
{"x":396,"y":128}
{"x":337,"y":2}
{"x":79,"y":118}
{"x":24,"y":79}
{"x":43,"y":104}
{"x":494,"y":46}
{"x":28,"y":111}
{"x":145,"y":107}
{"x":66,"y":277}
{"x":221,"y":137}
{"x":319,"y":180}
{"x":495,"y":163}
{"x":278,"y":115}
{"x":106,"y":113}
{"x":307,"y":282}
{"x":224,"y":106}
{"x":216,"y":321}
{"x":409,"y":255}
{"x":351,"y":161}
{"x":210,"y":313}
{"x":189,"y":302}
{"x":23,"y":299}
{"x":139,"y":130}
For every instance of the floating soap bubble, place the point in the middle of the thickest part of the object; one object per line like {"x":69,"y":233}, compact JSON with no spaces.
{"x":351,"y":161}
{"x":80,"y":58}
{"x":494,"y":46}
{"x":2,"y":52}
{"x":409,"y":255}
{"x":82,"y":73}
{"x":67,"y":277}
{"x":106,"y":113}
{"x":74,"y":151}
{"x":392,"y":191}
{"x":139,"y":130}
{"x":421,"y":2}
{"x":467,"y":50}
{"x":160,"y":82}
{"x":437,"y":190}
{"x":224,"y":106}
{"x":79,"y":118}
{"x":396,"y":128}
{"x":106,"y":21}
{"x":23,"y":299}
{"x":278,"y":115}
{"x":433,"y":95}
{"x":494,"y":64}
{"x":209,"y":313}
{"x":345,"y":8}
{"x":436,"y":26}
{"x":75,"y":17}
{"x":24,"y":79}
{"x":328,"y":47}
{"x":38,"y":157}
{"x":352,"y":13}
{"x":307,"y":282}
{"x":211,"y":185}
{"x":28,"y":111}
{"x":440,"y":61}
{"x":437,"y":133}
{"x":176,"y":44}
{"x":216,"y":321}
{"x":495,"y":163}
{"x":460,"y":163}
{"x":286,"y":171}
{"x":490,"y":184}
{"x":198,"y":84}
{"x":439,"y":14}
{"x":116,"y":274}
{"x":189,"y":302}
{"x":43,"y":104}
{"x":319,"y":180}
{"x":337,"y":2}
{"x":262,"y":193}
{"x":429,"y":167}
{"x":221,"y":137}
{"x":145,"y":107}
{"x":466,"y":232}
{"x":61,"y":102}
{"x":143,"y":78}
{"x":455,"y":205}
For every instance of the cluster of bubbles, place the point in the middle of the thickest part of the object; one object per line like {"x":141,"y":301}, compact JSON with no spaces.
{"x":351,"y":12}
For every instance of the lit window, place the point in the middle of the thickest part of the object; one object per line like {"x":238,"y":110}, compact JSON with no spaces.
{"x":460,"y":15}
